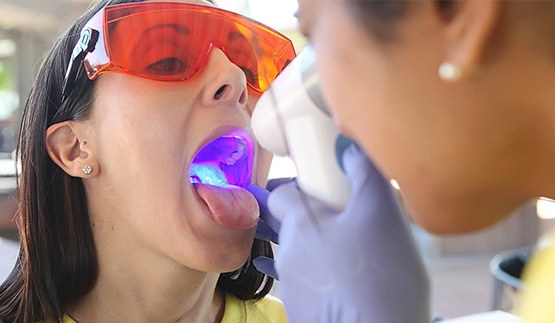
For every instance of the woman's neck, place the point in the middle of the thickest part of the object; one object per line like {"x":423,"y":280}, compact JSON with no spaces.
{"x":163,"y":291}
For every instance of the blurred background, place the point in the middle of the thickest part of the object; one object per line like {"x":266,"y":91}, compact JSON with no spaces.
{"x":464,"y":269}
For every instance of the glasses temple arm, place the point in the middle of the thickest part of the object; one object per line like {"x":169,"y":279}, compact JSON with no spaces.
{"x":86,"y":44}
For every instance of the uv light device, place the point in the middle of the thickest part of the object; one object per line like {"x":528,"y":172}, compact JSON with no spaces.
{"x":291,"y":119}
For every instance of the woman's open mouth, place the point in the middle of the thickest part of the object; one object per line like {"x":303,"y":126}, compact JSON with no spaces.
{"x":219,"y":172}
{"x":226,"y":160}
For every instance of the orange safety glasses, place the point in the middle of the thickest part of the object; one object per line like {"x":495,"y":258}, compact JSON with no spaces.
{"x":170,"y":41}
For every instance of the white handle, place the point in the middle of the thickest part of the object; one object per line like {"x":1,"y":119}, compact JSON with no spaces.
{"x":312,"y":146}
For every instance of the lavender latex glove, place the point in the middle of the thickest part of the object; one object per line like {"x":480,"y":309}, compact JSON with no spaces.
{"x":359,"y":265}
{"x":268,"y":226}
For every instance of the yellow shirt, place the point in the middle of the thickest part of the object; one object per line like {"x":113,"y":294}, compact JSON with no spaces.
{"x":538,"y":293}
{"x":267,"y":310}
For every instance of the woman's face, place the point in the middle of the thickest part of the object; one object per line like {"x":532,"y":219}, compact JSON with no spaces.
{"x":145,"y":135}
{"x":442,"y":142}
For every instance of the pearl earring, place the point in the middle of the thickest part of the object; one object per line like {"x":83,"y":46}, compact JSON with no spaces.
{"x":449,"y":72}
{"x":86,"y":169}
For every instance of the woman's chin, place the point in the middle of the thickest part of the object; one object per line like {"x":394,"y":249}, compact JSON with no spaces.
{"x":456,"y":217}
{"x":228,"y":265}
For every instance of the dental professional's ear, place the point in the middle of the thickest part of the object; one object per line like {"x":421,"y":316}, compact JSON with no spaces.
{"x":68,"y":149}
{"x":470,"y":25}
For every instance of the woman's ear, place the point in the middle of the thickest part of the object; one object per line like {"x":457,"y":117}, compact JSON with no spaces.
{"x":67,"y":148}
{"x":470,"y":27}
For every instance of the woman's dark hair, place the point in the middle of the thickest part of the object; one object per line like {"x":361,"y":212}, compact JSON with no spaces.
{"x":378,"y":16}
{"x":57,"y":262}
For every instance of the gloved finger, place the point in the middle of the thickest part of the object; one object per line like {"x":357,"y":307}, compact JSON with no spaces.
{"x":265,"y":232}
{"x":266,"y":266}
{"x":284,"y":199}
{"x":275,"y":182}
{"x":289,"y":199}
{"x":261,"y":196}
{"x":374,"y":204}
{"x":360,"y":169}
{"x":341,"y":143}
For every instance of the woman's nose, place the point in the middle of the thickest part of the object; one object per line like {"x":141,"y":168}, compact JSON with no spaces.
{"x":226,"y":82}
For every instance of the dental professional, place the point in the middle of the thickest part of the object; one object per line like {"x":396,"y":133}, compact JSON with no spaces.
{"x":131,"y":109}
{"x":455,"y":100}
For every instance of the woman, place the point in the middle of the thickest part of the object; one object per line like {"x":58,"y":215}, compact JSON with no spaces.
{"x":452,"y":99}
{"x":136,"y":109}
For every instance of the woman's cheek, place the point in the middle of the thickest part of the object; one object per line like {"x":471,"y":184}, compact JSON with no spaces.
{"x":252,"y":100}
{"x":262,"y":165}
{"x":263,"y":157}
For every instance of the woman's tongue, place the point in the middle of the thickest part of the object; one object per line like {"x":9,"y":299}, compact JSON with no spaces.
{"x":231,"y":206}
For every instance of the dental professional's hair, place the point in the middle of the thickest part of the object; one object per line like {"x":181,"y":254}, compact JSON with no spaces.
{"x":379,"y":17}
{"x":57,"y":262}
{"x":376,"y":16}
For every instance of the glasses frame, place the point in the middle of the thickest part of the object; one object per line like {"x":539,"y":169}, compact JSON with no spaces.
{"x":93,"y":35}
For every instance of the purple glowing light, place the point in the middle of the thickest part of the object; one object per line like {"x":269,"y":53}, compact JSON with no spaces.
{"x":226,"y":160}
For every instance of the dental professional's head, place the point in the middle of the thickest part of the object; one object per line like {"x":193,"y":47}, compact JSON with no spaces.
{"x":466,"y":149}
{"x":121,"y":109}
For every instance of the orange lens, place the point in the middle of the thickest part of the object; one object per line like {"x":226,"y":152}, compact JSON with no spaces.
{"x":170,"y":41}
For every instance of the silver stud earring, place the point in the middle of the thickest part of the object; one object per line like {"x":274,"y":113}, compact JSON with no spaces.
{"x":86,"y":169}
{"x":449,"y":72}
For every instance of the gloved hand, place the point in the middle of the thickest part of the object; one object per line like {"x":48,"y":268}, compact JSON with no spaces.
{"x":360,"y":265}
{"x":268,"y":226}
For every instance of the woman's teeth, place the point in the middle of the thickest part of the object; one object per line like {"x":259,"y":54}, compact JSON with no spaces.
{"x":231,"y":150}
{"x":226,"y":160}
{"x":207,"y":173}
